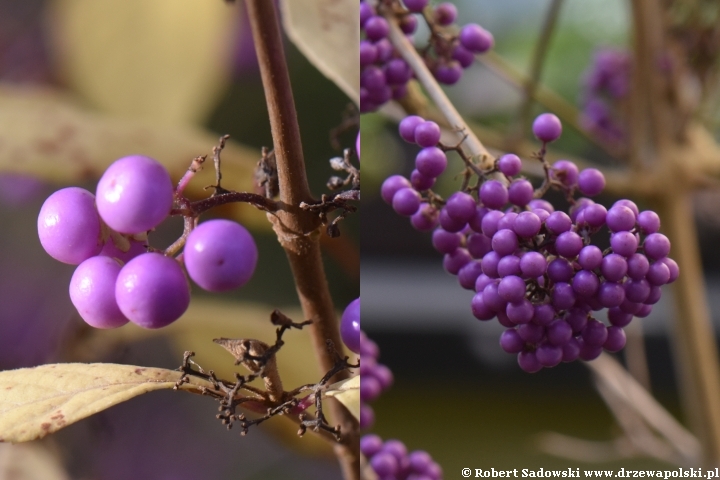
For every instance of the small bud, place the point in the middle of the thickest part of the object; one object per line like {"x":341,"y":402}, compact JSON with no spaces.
{"x":337,"y":163}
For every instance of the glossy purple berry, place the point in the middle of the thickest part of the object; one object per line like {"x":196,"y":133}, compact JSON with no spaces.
{"x":134,"y":194}
{"x":350,"y":326}
{"x":475,"y":38}
{"x":69,"y":226}
{"x":547,"y":127}
{"x":152,"y":291}
{"x":220,"y":255}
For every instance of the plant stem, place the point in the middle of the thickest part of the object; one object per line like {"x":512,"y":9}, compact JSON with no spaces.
{"x":536,"y":67}
{"x":297,"y":230}
{"x":417,"y":64}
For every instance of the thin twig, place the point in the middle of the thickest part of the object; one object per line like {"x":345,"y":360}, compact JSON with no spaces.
{"x":538,"y":61}
{"x":472,"y":144}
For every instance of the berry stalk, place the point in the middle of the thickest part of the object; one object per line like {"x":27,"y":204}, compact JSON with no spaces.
{"x":298,"y":230}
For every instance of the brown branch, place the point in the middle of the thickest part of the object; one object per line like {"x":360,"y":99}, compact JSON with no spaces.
{"x":297,"y":230}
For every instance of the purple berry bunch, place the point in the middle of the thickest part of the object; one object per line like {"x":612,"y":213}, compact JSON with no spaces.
{"x":606,"y":85}
{"x":533,"y":268}
{"x":375,"y":378}
{"x":385,"y":75}
{"x":390,"y":460}
{"x":119,"y":278}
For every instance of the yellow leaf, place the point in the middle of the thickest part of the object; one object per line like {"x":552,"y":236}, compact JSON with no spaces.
{"x":29,"y":461}
{"x":165,"y":60}
{"x":45,"y":133}
{"x":327,"y":32}
{"x":41,"y":400}
{"x":347,"y":392}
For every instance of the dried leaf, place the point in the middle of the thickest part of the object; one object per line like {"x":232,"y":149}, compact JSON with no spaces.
{"x":41,"y":400}
{"x":327,"y":32}
{"x":165,"y":60}
{"x":29,"y":461}
{"x":348,"y":393}
{"x":45,"y":133}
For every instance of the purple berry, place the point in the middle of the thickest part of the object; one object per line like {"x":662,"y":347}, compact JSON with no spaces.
{"x":648,"y":221}
{"x":615,"y":339}
{"x":620,"y":219}
{"x":590,"y":257}
{"x":134,"y":194}
{"x":445,"y":14}
{"x":527,"y":224}
{"x":427,"y":134}
{"x":220,"y":255}
{"x":407,"y":127}
{"x":426,"y":218}
{"x":547,"y":127}
{"x":624,"y":243}
{"x":92,"y":292}
{"x":591,"y":182}
{"x":656,"y":246}
{"x":461,"y":206}
{"x":569,"y":244}
{"x":376,"y":28}
{"x":406,"y":201}
{"x":493,"y":194}
{"x":558,"y":222}
{"x":391,"y":185}
{"x":431,"y":162}
{"x":350,"y":326}
{"x":475,"y":38}
{"x":415,"y":6}
{"x":510,"y":164}
{"x":69,"y":226}
{"x":152,"y":290}
{"x":529,"y":362}
{"x":566,"y":172}
{"x":511,"y":288}
{"x":511,"y":342}
{"x":520,"y":192}
{"x":505,"y":242}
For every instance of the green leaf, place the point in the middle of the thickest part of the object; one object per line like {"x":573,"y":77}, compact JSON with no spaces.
{"x":41,"y":400}
{"x":347,"y":392}
{"x":327,"y":32}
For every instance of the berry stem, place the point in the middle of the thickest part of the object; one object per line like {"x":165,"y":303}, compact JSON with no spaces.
{"x":298,"y":230}
{"x":410,"y":55}
{"x":538,"y":61}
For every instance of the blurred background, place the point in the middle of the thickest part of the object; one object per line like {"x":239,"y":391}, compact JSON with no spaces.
{"x":456,"y":393}
{"x":83,"y":83}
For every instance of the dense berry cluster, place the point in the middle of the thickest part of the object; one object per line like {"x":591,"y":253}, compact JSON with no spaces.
{"x":119,"y":278}
{"x":536,"y":269}
{"x":375,"y":378}
{"x":385,"y":75}
{"x":606,"y":84}
{"x":390,"y":460}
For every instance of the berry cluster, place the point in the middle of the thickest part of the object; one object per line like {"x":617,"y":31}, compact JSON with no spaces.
{"x":606,"y":83}
{"x":390,"y":460}
{"x":119,"y":277}
{"x":375,"y":378}
{"x":385,"y":75}
{"x":533,"y":268}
